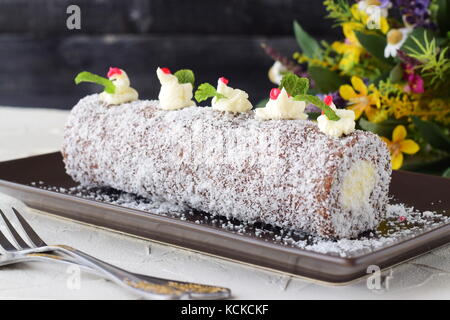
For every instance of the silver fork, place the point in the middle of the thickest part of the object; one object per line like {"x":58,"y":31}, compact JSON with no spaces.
{"x":145,"y":286}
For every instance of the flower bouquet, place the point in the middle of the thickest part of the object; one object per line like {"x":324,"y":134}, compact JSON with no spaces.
{"x":392,"y":68}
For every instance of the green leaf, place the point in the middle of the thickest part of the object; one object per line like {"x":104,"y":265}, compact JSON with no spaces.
{"x":374,"y":44}
{"x":426,"y":163}
{"x":446,"y":173}
{"x":262,"y":103}
{"x":432,"y":134}
{"x":294,"y":85}
{"x":185,"y":76}
{"x":443,"y":15}
{"x":396,"y":74}
{"x":411,"y":46}
{"x":310,"y":47}
{"x":302,"y":86}
{"x":319,"y":103}
{"x":382,"y":77}
{"x":383,"y":129}
{"x":325,"y":80}
{"x":86,"y":76}
{"x":206,"y":91}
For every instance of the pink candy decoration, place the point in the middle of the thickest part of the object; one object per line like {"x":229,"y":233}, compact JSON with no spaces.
{"x":274,"y":93}
{"x":166,"y":70}
{"x":328,"y":100}
{"x":113,"y":71}
{"x":224,"y":80}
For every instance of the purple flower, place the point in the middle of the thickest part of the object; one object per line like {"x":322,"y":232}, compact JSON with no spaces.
{"x":337,"y":100}
{"x":404,"y":57}
{"x":385,"y":3}
{"x":310,"y":108}
{"x":290,"y":65}
{"x":415,"y":12}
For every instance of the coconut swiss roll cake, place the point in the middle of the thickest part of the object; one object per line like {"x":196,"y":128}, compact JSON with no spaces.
{"x":285,"y":173}
{"x":268,"y":165}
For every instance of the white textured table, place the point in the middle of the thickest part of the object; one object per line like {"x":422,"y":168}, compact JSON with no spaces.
{"x":26,"y":132}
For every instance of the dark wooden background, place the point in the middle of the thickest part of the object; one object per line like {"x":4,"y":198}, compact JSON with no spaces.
{"x":40,"y":56}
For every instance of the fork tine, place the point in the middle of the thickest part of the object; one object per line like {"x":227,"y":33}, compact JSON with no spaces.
{"x":31,"y":234}
{"x":22,"y":244}
{"x":5,"y":244}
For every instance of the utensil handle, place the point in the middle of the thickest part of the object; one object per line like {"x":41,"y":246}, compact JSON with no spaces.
{"x":149,"y":287}
{"x":122,"y":277}
{"x":44,"y":257}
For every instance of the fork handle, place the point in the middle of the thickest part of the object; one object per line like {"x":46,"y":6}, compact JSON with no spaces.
{"x":146,"y":286}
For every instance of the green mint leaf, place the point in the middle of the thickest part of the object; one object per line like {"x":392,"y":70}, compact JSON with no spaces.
{"x":90,"y":77}
{"x":185,"y":76}
{"x":319,"y":103}
{"x":220,"y":96}
{"x":294,"y":85}
{"x":288,"y":82}
{"x":302,"y":85}
{"x":206,"y":91}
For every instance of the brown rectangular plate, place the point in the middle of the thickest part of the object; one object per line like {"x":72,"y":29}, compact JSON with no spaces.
{"x":250,"y":245}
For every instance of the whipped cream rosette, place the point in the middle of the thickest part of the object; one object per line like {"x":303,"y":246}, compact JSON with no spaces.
{"x":123,"y":93}
{"x":233,"y":100}
{"x":173,"y":94}
{"x":336,"y":128}
{"x":117,"y":88}
{"x":281,"y":106}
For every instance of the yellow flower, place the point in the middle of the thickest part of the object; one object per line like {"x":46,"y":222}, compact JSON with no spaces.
{"x":351,"y":49}
{"x":363,"y":17}
{"x":400,"y":145}
{"x":384,"y":25}
{"x":350,"y":54}
{"x":362,"y":101}
{"x":349,"y":28}
{"x":301,"y":58}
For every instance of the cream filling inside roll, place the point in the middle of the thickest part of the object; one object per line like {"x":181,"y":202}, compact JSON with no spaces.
{"x":357,"y":186}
